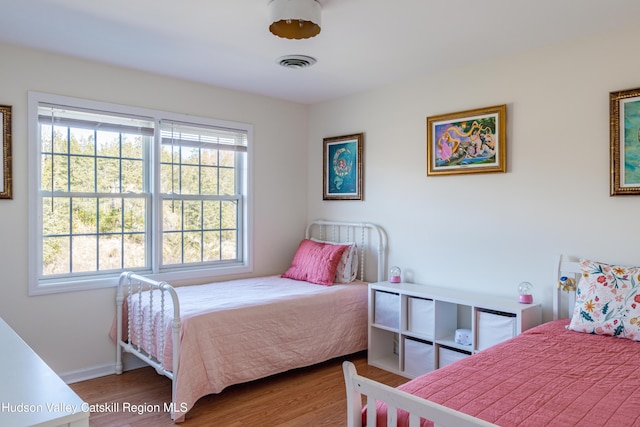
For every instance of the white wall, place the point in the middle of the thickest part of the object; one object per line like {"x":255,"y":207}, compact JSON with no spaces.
{"x":489,"y":232}
{"x":70,"y":330}
{"x":477,"y":232}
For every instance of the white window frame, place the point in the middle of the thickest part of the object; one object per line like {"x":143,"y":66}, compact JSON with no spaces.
{"x":39,"y":286}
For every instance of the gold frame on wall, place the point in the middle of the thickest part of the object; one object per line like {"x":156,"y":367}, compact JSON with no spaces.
{"x":342,"y":167}
{"x":5,"y":162}
{"x":472,"y":141}
{"x":624,"y":157}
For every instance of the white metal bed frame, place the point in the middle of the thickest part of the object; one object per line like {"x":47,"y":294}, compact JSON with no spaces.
{"x":419,"y":408}
{"x":135,"y":286}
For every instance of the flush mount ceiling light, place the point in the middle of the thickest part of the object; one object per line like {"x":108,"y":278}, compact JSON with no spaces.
{"x":295,"y":19}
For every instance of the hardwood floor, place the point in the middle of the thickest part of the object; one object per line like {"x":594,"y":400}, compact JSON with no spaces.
{"x":313,"y":396}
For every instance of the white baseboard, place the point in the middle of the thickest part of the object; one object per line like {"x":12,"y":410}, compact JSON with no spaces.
{"x":87,"y":374}
{"x":130,"y":362}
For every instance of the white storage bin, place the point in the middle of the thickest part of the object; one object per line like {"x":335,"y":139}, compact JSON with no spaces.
{"x":421,"y":314}
{"x":494,"y":327}
{"x":386,"y":309}
{"x":419,"y":357}
{"x":447,"y":356}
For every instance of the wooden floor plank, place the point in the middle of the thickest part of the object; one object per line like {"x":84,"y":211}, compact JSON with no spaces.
{"x":313,"y":396}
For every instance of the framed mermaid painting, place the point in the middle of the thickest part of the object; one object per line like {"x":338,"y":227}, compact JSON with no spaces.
{"x":472,"y":141}
{"x":342,"y":167}
{"x":624,"y":109}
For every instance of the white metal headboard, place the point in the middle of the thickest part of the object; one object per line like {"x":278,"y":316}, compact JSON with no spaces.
{"x":366,"y":235}
{"x":569,"y":268}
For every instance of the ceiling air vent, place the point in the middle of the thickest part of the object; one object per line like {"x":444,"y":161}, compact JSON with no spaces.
{"x":296,"y":61}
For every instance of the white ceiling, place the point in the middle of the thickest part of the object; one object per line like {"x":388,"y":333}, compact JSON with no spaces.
{"x":363,"y":44}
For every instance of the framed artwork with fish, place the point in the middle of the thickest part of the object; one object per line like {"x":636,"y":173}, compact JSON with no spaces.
{"x":624,"y":110}
{"x":472,"y":141}
{"x":342,"y":167}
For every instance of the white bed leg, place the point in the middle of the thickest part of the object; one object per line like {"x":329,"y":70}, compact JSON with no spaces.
{"x":119,"y":302}
{"x":175,"y":331}
{"x":354,"y":399}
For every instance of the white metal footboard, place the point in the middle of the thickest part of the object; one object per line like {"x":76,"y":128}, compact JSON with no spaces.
{"x":140,"y":289}
{"x":418,"y":408}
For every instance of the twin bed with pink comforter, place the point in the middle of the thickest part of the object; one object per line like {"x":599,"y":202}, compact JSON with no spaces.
{"x":551,"y":377}
{"x":583,"y":371}
{"x":241,"y":330}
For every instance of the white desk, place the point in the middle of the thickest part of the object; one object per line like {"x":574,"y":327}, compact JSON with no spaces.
{"x":31,"y":394}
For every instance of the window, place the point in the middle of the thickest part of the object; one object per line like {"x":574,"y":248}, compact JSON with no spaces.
{"x":120,"y":188}
{"x":200,"y":172}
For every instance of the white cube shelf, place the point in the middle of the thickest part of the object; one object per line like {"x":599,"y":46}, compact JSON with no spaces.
{"x":412,"y":327}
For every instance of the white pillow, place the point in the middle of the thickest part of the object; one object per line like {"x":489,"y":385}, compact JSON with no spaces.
{"x":348,"y":266}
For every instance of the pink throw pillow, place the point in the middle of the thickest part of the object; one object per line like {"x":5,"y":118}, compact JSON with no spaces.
{"x":315,"y":262}
{"x":347,"y":270}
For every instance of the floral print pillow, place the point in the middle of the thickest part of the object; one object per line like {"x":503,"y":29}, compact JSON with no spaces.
{"x":607,"y":301}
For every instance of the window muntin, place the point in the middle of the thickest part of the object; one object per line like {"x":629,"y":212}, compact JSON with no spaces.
{"x":119,"y":190}
{"x":84,"y":171}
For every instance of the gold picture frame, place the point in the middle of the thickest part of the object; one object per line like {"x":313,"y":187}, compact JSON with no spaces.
{"x":624,"y":112}
{"x":6,"y":160}
{"x":342,"y":167}
{"x":472,"y":141}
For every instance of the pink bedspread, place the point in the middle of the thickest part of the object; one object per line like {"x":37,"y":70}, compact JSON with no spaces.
{"x":238,"y":331}
{"x":547,"y":376}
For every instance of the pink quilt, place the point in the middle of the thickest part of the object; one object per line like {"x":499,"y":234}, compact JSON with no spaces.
{"x":547,"y":376}
{"x":238,"y":331}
